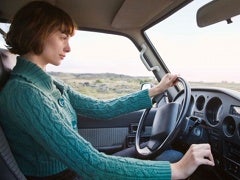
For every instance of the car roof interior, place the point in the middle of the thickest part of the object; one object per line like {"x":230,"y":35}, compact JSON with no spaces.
{"x":106,"y":15}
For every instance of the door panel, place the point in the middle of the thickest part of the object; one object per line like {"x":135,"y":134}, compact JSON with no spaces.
{"x":113,"y":135}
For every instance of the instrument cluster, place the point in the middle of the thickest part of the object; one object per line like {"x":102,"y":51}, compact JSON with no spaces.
{"x":219,"y":113}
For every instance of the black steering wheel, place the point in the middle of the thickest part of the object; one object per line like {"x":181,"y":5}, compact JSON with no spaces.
{"x":167,"y":123}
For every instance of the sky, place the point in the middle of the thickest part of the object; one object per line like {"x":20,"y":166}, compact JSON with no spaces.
{"x":179,"y":41}
{"x":198,"y":54}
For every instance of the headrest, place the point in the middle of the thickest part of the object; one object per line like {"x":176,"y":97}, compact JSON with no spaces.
{"x":7,"y":62}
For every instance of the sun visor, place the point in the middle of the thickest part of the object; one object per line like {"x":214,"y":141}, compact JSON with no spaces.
{"x":135,"y":13}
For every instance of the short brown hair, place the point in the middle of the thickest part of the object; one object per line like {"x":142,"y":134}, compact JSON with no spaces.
{"x":33,"y":23}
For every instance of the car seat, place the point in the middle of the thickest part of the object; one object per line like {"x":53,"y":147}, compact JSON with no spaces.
{"x":9,"y":169}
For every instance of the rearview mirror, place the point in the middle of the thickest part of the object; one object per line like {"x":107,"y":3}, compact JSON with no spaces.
{"x":216,"y":11}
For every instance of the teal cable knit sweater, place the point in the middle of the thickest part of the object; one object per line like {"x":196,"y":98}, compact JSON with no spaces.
{"x":39,"y":117}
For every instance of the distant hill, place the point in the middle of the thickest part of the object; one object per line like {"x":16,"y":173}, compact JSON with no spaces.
{"x":103,"y":85}
{"x":110,"y":85}
{"x":96,"y":75}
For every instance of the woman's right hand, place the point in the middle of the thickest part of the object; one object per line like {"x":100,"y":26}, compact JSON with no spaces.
{"x":197,"y":154}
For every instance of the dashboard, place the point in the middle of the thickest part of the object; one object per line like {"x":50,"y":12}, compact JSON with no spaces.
{"x":214,"y":117}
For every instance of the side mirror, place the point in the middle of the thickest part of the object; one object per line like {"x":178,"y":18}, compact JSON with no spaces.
{"x":216,"y":11}
{"x":146,"y":86}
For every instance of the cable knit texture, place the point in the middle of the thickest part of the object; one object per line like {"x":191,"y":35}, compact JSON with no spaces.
{"x":39,"y":117}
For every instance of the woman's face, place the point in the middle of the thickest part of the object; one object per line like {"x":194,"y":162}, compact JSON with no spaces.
{"x":55,"y":48}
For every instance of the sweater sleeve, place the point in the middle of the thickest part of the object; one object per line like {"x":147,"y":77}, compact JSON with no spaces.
{"x":40,"y":118}
{"x":99,"y":109}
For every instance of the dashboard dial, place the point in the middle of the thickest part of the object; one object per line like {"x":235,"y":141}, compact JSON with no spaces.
{"x":214,"y":110}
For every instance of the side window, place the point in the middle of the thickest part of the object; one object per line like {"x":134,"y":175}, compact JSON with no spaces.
{"x":103,"y":66}
{"x":4,"y":28}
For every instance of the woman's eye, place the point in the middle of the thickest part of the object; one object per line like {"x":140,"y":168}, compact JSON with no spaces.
{"x":64,"y":37}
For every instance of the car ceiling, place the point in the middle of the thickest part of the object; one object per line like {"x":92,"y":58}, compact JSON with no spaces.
{"x":105,"y":15}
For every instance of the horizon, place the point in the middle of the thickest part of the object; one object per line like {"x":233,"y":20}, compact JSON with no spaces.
{"x":144,"y":76}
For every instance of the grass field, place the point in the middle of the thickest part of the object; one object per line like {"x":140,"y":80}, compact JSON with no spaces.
{"x":107,"y":86}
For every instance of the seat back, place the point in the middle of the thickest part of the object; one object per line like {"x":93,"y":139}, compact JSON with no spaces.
{"x":7,"y":62}
{"x":8,"y":167}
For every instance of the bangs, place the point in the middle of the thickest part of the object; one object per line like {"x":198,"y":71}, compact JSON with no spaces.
{"x":67,"y":28}
{"x":66,"y":25}
{"x":62,"y":21}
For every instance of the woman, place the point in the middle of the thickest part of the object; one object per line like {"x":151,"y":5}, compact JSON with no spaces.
{"x":40,"y":116}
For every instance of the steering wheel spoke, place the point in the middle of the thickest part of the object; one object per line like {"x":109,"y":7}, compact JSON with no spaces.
{"x":153,"y":144}
{"x":145,"y":151}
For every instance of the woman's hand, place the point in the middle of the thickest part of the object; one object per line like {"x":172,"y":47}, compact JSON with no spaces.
{"x":167,"y":81}
{"x":197,"y":154}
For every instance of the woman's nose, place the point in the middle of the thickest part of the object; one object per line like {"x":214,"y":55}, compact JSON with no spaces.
{"x":67,"y":48}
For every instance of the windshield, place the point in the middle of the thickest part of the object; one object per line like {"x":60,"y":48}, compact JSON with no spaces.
{"x":203,"y":56}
